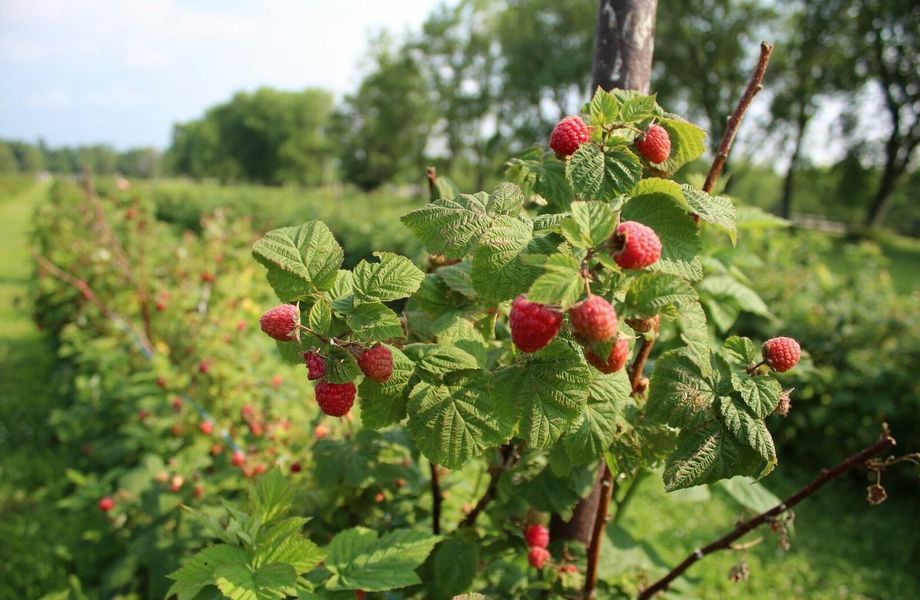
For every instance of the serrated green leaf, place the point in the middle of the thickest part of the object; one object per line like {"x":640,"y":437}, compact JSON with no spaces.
{"x":687,"y":143}
{"x":507,"y":199}
{"x":450,"y":227}
{"x":197,"y":572}
{"x":294,"y":550}
{"x":695,"y":333}
{"x":383,"y":404}
{"x":717,"y":210}
{"x":741,"y":350}
{"x":373,"y":322}
{"x":680,"y":242}
{"x":750,"y":494}
{"x":701,"y":456}
{"x":679,"y":394}
{"x":359,"y":560}
{"x":454,"y":564}
{"x":457,"y":420}
{"x":636,"y":108}
{"x":344,"y":285}
{"x":550,"y":390}
{"x":726,"y":289}
{"x":242,"y":582}
{"x":498,"y":272}
{"x":650,"y":292}
{"x":443,"y":187}
{"x":760,"y":393}
{"x":751,"y":217}
{"x":319,"y":319}
{"x":271,"y":496}
{"x":300,"y":260}
{"x":595,"y":223}
{"x":458,"y":278}
{"x":561,"y":282}
{"x":747,"y":429}
{"x":604,"y":108}
{"x":585,"y":172}
{"x":437,"y":360}
{"x":622,"y":171}
{"x":341,"y":366}
{"x":595,"y":428}
{"x":392,"y":278}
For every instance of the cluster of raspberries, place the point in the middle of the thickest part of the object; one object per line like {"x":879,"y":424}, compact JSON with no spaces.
{"x":654,"y":144}
{"x":335,"y":399}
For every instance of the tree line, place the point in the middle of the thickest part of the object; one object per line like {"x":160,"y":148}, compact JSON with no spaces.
{"x":482,"y":80}
{"x":23,"y":157}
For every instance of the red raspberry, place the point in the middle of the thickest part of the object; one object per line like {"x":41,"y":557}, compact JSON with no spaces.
{"x":238,"y":459}
{"x":655,"y":144}
{"x":615,"y":361}
{"x":106,"y":504}
{"x":594,"y":319}
{"x":639,"y":246}
{"x":281,"y":322}
{"x":568,"y":569}
{"x":335,"y":399}
{"x":781,"y":353}
{"x":316,"y":365}
{"x":295,"y":467}
{"x":538,"y":556}
{"x":537,"y":535}
{"x":377,"y":363}
{"x":533,"y":326}
{"x":206,"y":427}
{"x":568,"y":135}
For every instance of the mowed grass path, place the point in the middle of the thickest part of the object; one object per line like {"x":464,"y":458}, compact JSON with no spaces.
{"x":31,"y":470}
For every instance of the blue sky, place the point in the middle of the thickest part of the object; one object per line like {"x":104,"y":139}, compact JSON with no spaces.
{"x":122,"y":72}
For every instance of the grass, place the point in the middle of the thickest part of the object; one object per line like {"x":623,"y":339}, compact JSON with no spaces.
{"x":30,"y":469}
{"x":842,"y":548}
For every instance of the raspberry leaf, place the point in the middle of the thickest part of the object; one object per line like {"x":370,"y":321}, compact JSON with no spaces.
{"x":450,"y":227}
{"x":392,"y":278}
{"x":604,"y":108}
{"x":680,"y":241}
{"x":507,"y":199}
{"x":551,"y":390}
{"x":585,"y":171}
{"x":373,"y":322}
{"x":741,"y":350}
{"x":561,"y":282}
{"x":622,"y":171}
{"x":243,"y":581}
{"x":383,"y":404}
{"x":319,"y":319}
{"x":707,"y":454}
{"x":717,"y":210}
{"x":679,"y":395}
{"x":695,"y":333}
{"x":594,"y":223}
{"x":358,"y":559}
{"x":458,"y":277}
{"x":198,"y":572}
{"x":592,"y":433}
{"x":341,"y":366}
{"x":746,"y":428}
{"x":722,"y":293}
{"x":637,"y":108}
{"x":456,"y":420}
{"x":300,"y":260}
{"x":498,"y":270}
{"x":649,"y":293}
{"x":760,"y":394}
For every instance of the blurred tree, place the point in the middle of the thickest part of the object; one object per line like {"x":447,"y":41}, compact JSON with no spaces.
{"x":703,"y":57}
{"x":29,"y":158}
{"x":7,"y":159}
{"x":139,"y":162}
{"x":808,"y":67}
{"x":382,"y":129}
{"x":268,"y":136}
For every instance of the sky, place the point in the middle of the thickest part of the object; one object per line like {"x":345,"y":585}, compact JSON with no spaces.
{"x":123,"y":72}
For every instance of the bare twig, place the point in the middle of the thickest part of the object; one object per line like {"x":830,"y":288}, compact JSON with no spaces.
{"x":431,"y":174}
{"x":734,"y":121}
{"x":824,"y":476}
{"x":638,"y":366}
{"x":436,"y":498}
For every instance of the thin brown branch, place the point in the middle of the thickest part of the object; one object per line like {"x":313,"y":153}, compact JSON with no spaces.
{"x":600,"y":523}
{"x":509,"y":456}
{"x":859,"y":459}
{"x":431,"y":174}
{"x":436,"y":498}
{"x":638,"y":366}
{"x":734,"y":121}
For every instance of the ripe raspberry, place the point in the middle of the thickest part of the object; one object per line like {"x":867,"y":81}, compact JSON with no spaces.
{"x":377,"y":363}
{"x":781,"y":353}
{"x":316,"y":365}
{"x":538,"y":556}
{"x":106,"y":504}
{"x":615,"y":361}
{"x":335,"y":399}
{"x":594,"y":319}
{"x":281,"y":322}
{"x":568,"y":135}
{"x":655,"y":144}
{"x":206,"y":427}
{"x":533,"y":326}
{"x":238,"y":459}
{"x":637,"y":245}
{"x":537,"y":535}
{"x":295,"y":467}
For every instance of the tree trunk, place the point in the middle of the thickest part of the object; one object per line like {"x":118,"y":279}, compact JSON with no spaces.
{"x":882,"y":200}
{"x":623,"y":45}
{"x":789,"y":180}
